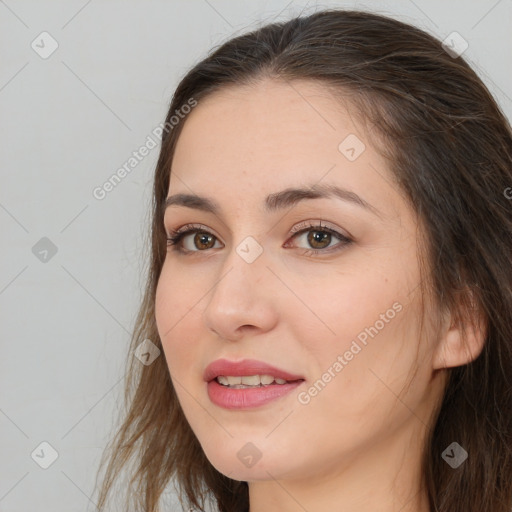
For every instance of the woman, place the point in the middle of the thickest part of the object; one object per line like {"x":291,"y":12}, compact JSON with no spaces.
{"x":334,"y":300}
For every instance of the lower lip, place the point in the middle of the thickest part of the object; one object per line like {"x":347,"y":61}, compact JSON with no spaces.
{"x":230,"y":398}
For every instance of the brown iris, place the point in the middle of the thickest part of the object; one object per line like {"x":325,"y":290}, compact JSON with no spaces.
{"x":319,"y":237}
{"x":202,"y":238}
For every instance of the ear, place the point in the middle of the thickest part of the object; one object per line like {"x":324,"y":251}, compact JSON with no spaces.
{"x":453,"y":349}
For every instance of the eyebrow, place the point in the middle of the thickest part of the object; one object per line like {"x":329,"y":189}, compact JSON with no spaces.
{"x":276,"y":201}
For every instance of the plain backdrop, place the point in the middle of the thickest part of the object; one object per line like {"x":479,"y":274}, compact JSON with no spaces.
{"x":72,"y":265}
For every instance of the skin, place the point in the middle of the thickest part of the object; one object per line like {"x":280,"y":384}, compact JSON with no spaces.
{"x":358,"y":442}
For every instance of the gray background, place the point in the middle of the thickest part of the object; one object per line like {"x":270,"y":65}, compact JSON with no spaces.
{"x":67,"y":123}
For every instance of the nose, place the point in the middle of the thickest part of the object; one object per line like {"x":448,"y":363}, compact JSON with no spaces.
{"x":242,"y":299}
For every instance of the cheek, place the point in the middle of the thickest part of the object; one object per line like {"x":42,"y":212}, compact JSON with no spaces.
{"x":345,"y":306}
{"x":178,"y":294}
{"x":364,"y":332}
{"x":176,"y":301}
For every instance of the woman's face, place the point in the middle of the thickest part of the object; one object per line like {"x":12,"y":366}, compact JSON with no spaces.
{"x":320,"y":285}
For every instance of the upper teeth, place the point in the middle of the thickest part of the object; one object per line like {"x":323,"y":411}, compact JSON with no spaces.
{"x":249,"y":380}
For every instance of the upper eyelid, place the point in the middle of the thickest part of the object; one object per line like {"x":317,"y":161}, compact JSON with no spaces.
{"x":297,"y":228}
{"x":190,"y":227}
{"x":319,"y":225}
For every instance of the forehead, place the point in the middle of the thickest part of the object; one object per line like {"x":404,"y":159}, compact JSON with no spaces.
{"x":278,"y":124}
{"x":259,"y":138}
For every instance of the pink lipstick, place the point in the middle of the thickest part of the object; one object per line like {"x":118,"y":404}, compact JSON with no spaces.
{"x":248,"y":383}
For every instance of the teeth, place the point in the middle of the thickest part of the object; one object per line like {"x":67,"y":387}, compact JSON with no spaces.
{"x":232,"y":381}
{"x":266,"y":379}
{"x":249,"y":380}
{"x":222,"y":380}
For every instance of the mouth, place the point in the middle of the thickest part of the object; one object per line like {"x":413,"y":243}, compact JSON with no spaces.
{"x":248,"y":383}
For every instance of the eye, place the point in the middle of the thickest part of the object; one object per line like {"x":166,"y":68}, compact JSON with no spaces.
{"x":201,"y":240}
{"x":317,"y":236}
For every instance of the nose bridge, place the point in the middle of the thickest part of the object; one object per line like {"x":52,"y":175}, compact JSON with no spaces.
{"x":239,"y":297}
{"x":243,"y":268}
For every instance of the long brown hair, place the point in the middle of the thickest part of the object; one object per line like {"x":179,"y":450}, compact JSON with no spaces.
{"x":450,"y":149}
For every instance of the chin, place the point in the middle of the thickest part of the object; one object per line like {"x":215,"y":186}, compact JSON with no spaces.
{"x":244,"y":462}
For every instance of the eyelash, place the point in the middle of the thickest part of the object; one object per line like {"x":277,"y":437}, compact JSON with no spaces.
{"x":175,"y":237}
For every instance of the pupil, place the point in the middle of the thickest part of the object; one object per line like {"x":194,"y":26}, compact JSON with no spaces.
{"x":203,"y":238}
{"x":316,"y":237}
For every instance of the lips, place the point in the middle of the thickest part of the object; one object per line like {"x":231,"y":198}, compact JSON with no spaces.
{"x":246,"y":367}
